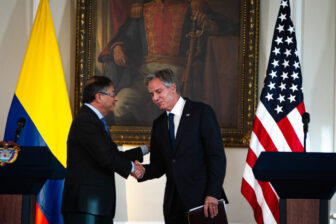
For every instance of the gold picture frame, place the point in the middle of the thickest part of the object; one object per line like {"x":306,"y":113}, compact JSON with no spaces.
{"x":234,"y":98}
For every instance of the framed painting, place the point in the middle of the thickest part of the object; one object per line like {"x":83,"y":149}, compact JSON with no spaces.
{"x":210,"y":45}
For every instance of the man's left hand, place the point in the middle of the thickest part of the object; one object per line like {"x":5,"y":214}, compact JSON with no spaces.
{"x":211,"y":205}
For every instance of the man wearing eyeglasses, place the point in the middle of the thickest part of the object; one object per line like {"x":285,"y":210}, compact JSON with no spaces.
{"x":89,"y":195}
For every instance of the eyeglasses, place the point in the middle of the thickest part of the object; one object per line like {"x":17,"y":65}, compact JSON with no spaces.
{"x":108,"y":94}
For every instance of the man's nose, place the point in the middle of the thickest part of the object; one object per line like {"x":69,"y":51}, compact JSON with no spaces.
{"x":154,"y":97}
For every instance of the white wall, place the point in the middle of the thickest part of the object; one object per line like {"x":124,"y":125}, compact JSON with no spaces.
{"x":318,"y":62}
{"x":14,"y":34}
{"x":15,"y":26}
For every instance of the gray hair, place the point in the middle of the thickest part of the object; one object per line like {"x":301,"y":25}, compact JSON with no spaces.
{"x":166,"y":76}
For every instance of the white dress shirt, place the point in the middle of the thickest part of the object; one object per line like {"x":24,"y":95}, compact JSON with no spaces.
{"x":177,"y":111}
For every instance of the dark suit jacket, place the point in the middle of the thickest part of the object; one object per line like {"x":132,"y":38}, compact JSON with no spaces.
{"x":196,"y":166}
{"x":92,"y":160}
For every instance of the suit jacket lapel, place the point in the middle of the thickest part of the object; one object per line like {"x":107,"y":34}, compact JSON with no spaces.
{"x":165,"y":133}
{"x":186,"y":116}
{"x":97,"y":120}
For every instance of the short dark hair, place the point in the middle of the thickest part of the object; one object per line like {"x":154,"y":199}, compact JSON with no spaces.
{"x":94,"y":85}
{"x":166,"y":76}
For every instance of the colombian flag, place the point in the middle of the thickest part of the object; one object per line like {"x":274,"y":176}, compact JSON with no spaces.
{"x":41,"y":99}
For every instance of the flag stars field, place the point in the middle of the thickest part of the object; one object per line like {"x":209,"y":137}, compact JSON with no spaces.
{"x":282,"y":17}
{"x":282,"y":86}
{"x":275,"y":63}
{"x":278,"y":109}
{"x":278,"y":40}
{"x":284,"y":4}
{"x":269,"y":96}
{"x":280,"y":28}
{"x":291,"y":98}
{"x":289,"y":40}
{"x":285,"y":63}
{"x":271,"y":85}
{"x":284,"y":75}
{"x":273,"y":74}
{"x":276,"y":51}
{"x":288,"y":53}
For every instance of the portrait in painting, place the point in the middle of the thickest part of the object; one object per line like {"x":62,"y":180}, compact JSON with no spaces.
{"x":159,"y":34}
{"x":204,"y":42}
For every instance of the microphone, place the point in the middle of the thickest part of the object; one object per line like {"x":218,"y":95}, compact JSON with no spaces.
{"x":305,"y":121}
{"x":20,"y":124}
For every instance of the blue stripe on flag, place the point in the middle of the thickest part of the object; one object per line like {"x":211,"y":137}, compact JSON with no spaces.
{"x":29,"y":135}
{"x":50,"y":196}
{"x":50,"y":199}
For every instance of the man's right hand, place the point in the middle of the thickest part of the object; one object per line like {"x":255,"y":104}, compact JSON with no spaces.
{"x":119,"y":56}
{"x":139,"y":170}
{"x":211,"y":205}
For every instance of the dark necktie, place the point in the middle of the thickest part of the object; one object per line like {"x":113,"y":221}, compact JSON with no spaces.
{"x":105,"y":125}
{"x":171,"y":128}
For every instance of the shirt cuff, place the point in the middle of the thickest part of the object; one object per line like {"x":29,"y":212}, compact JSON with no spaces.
{"x":132,"y":170}
{"x":144,"y":149}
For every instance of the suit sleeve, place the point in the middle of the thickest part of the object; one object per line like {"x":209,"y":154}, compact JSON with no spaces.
{"x":214,"y":151}
{"x":156,"y":167}
{"x":133,"y":154}
{"x":91,"y":137}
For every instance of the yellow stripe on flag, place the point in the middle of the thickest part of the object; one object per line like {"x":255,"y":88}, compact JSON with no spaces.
{"x":41,"y":87}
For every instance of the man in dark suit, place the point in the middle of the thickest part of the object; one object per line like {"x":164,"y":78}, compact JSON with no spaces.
{"x":187,"y":147}
{"x":89,"y":191}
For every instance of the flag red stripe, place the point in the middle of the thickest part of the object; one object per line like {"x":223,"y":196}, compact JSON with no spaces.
{"x":251,"y":158}
{"x":268,"y":192}
{"x":301,"y":108}
{"x":290,"y":135}
{"x":39,"y":217}
{"x":269,"y":195}
{"x":271,"y":198}
{"x":263,"y":136}
{"x":250,"y":196}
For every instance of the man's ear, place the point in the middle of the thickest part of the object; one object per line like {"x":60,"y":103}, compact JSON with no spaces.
{"x":173,"y":87}
{"x":97,"y":97}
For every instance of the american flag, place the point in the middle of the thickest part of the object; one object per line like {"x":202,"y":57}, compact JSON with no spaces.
{"x":278,"y":120}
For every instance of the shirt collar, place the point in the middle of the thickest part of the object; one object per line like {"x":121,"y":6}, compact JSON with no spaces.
{"x":100,"y":116}
{"x":178,"y":108}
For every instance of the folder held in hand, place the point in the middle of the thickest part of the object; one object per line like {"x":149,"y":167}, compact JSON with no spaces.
{"x":196,"y":215}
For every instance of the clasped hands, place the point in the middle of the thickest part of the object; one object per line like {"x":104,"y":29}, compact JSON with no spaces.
{"x":139,"y":170}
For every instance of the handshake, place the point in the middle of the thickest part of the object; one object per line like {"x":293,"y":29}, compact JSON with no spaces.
{"x":139,"y":170}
